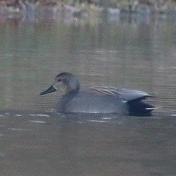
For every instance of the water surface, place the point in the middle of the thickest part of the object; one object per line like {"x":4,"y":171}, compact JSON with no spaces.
{"x":132,"y":53}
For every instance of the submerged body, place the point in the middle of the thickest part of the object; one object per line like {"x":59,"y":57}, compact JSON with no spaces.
{"x":98,"y":99}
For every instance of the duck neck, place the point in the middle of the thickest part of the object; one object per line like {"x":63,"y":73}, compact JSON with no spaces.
{"x":73,"y":86}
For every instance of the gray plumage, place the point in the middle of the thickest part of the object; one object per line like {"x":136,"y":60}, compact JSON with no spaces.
{"x":98,"y":99}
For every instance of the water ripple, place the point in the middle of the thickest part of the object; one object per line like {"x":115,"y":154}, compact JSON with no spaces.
{"x":39,"y":115}
{"x":98,"y":121}
{"x":18,"y":129}
{"x":38,"y":121}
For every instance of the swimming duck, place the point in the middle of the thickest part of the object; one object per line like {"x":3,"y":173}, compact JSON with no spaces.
{"x":98,"y":99}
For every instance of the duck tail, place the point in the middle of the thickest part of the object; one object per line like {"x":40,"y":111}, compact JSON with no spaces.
{"x":139,"y":108}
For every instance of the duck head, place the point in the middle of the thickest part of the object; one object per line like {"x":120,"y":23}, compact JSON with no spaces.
{"x":69,"y":82}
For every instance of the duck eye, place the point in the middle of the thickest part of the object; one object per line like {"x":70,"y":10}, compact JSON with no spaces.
{"x":58,"y":79}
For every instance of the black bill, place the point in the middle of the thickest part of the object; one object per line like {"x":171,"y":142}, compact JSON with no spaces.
{"x":49,"y":90}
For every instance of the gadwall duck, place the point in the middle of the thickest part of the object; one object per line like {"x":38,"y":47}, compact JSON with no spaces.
{"x":98,"y":99}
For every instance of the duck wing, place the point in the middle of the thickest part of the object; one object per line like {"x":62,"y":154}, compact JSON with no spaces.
{"x":133,"y":95}
{"x":132,"y":98}
{"x":125,"y":94}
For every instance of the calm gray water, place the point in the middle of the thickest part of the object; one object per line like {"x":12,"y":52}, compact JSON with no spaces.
{"x":131,"y":53}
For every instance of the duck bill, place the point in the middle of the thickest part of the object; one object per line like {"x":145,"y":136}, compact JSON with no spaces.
{"x":49,"y":90}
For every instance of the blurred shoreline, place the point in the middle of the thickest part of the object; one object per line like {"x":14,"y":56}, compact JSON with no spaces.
{"x":52,"y":10}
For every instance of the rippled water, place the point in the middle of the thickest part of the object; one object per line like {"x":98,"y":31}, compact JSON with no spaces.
{"x":131,"y":53}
